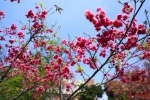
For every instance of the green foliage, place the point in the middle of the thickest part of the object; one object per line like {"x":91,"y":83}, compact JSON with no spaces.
{"x":111,"y":98}
{"x":10,"y":88}
{"x":91,"y":92}
{"x":120,"y":97}
{"x":148,"y":31}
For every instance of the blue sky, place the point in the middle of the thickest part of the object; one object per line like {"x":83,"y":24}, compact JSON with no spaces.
{"x":72,"y":19}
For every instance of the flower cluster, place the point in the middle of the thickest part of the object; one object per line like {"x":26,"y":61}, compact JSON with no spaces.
{"x":2,"y":15}
{"x":15,"y":0}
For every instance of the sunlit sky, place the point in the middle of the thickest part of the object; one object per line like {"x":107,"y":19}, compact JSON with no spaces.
{"x":71,"y":20}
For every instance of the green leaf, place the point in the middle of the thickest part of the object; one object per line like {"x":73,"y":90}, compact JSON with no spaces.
{"x":98,"y":83}
{"x":42,"y":38}
{"x":40,"y":4}
{"x":80,"y":69}
{"x":94,"y":40}
{"x":127,"y":52}
{"x":118,"y":61}
{"x":145,"y":45}
{"x":148,"y":31}
{"x":27,"y":32}
{"x":62,"y":48}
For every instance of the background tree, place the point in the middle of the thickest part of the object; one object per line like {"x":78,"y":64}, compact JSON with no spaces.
{"x":91,"y":92}
{"x":136,"y":87}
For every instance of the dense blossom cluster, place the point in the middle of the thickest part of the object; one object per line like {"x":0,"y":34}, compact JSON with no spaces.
{"x":127,"y":8}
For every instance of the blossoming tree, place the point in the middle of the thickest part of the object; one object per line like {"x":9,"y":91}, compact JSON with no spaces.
{"x":116,"y":43}
{"x":136,"y":87}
